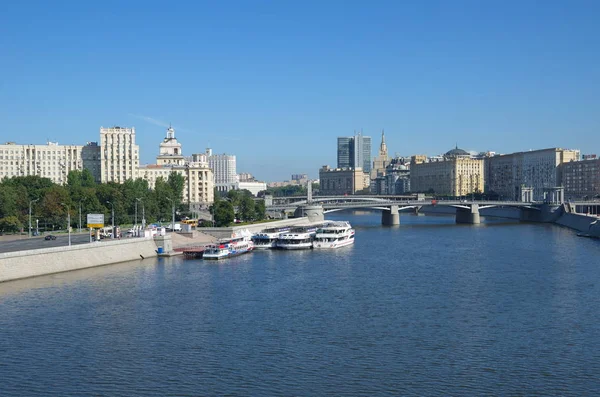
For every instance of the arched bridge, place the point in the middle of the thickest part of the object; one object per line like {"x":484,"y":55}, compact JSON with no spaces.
{"x":467,"y":211}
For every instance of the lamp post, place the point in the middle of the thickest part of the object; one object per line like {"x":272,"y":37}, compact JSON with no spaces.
{"x":30,"y":202}
{"x":37,"y":227}
{"x":136,"y":204}
{"x":172,"y":214}
{"x":68,"y":221}
{"x":80,"y":216}
{"x":112,"y":217}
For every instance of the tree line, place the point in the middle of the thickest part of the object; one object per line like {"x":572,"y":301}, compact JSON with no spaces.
{"x":237,"y":204}
{"x":50,"y":203}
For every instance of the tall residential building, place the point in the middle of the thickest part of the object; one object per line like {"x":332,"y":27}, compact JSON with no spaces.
{"x":506,"y":175}
{"x":354,"y":152}
{"x":581,"y":179}
{"x":51,"y":161}
{"x":381,"y":161}
{"x":119,"y":155}
{"x":224,"y":169}
{"x":456,"y":174}
{"x":198,"y":190}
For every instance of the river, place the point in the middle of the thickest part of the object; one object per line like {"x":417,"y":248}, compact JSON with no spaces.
{"x":425,"y":308}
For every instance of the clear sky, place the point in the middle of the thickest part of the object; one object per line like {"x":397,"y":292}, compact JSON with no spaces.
{"x":275,"y":82}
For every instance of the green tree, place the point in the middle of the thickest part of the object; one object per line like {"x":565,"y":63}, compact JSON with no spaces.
{"x":246,"y":209}
{"x":10,"y":224}
{"x":223,"y":213}
{"x":260,"y":209}
{"x":51,"y":205}
{"x":8,"y":201}
{"x":176,"y":182}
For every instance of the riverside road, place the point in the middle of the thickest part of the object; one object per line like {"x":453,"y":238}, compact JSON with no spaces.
{"x":16,"y":243}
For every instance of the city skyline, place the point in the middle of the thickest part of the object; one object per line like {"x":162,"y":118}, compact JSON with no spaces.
{"x":502,"y":77}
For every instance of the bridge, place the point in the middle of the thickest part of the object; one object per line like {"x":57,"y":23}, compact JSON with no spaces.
{"x":467,"y":211}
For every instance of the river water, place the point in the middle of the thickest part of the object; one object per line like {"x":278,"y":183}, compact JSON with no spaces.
{"x":426,"y":308}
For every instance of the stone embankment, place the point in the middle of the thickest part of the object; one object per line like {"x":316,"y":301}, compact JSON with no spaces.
{"x":32,"y":263}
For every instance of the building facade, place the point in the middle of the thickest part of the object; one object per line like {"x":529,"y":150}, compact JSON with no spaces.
{"x":340,"y":181}
{"x":52,"y":161}
{"x":119,"y":155}
{"x":507,"y":175}
{"x":354,"y":152}
{"x":224,"y":170}
{"x":581,"y":179}
{"x":198,"y":191}
{"x":456,"y":175}
{"x":253,"y":187}
{"x":169,"y":151}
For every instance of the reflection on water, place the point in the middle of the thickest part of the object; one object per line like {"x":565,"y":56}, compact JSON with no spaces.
{"x":428,"y":307}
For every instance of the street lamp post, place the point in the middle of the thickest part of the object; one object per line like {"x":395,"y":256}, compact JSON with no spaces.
{"x":80,"y":216}
{"x":172,"y":214}
{"x":30,"y":202}
{"x":68,"y":221}
{"x":112,"y":217}
{"x":143,"y":216}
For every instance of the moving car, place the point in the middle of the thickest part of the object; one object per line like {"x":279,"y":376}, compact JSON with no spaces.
{"x":50,"y":237}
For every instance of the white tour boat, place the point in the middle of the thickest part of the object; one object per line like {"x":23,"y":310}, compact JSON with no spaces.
{"x":334,"y":235}
{"x":299,"y":238}
{"x":240,"y":243}
{"x":268,"y":238}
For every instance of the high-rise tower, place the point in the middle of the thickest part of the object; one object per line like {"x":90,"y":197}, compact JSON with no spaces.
{"x":354,"y":152}
{"x":119,"y":155}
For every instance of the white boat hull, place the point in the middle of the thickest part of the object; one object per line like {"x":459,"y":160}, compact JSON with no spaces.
{"x":334,"y":244}
{"x":301,"y":246}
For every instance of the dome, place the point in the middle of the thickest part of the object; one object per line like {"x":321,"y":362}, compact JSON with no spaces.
{"x":456,"y":152}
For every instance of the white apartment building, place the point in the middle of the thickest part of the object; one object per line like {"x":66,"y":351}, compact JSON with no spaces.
{"x":119,"y":155}
{"x":198,"y":191}
{"x":224,"y":169}
{"x":253,"y":187}
{"x":52,"y":161}
{"x":507,"y":174}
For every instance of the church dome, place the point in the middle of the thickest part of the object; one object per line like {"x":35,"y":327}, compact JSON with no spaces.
{"x":456,"y":152}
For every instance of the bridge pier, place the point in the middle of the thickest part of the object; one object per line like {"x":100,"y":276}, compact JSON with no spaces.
{"x":542,"y":213}
{"x":468,"y":215}
{"x":390,"y":217}
{"x":313,"y":212}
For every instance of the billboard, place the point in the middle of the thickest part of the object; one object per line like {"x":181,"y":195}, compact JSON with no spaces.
{"x":95,"y":220}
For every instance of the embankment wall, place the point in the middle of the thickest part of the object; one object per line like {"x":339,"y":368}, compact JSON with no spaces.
{"x":582,"y":223}
{"x":23,"y":264}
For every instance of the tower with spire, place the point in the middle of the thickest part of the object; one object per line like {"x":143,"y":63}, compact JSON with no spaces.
{"x":382,"y":160}
{"x":170,"y":153}
{"x":383,"y":152}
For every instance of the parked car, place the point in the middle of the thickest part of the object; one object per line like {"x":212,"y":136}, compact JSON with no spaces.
{"x":50,"y":237}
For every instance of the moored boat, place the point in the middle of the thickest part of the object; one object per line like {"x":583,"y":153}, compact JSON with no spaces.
{"x":238,"y":244}
{"x":334,"y":235}
{"x":268,"y":238}
{"x":298,"y":238}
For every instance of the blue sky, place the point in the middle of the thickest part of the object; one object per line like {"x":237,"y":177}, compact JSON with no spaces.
{"x":275,"y":82}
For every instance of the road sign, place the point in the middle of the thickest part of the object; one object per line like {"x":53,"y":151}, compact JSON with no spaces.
{"x":95,"y":220}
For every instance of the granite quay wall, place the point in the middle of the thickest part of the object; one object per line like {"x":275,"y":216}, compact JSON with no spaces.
{"x":583,"y":223}
{"x":32,"y":263}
